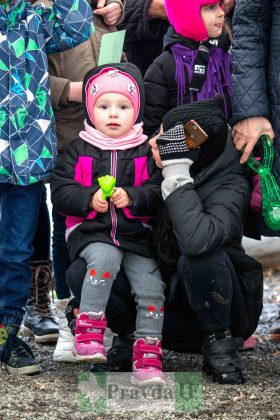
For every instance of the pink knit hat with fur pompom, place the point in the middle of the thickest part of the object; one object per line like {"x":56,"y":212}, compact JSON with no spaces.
{"x":111,"y":80}
{"x":185,"y":17}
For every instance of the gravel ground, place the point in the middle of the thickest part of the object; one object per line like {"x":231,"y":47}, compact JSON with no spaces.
{"x":54,"y":394}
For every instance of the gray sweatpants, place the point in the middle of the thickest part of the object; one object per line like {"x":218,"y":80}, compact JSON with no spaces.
{"x":147,"y":287}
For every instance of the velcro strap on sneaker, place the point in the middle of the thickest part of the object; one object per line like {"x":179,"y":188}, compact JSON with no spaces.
{"x":148,"y":362}
{"x":148,"y":348}
{"x":89,"y":337}
{"x":226,"y":345}
{"x":93,"y":323}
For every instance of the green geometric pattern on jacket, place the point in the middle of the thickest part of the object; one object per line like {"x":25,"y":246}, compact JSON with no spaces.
{"x":27,"y":126}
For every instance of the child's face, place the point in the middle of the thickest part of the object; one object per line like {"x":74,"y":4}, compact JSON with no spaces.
{"x":113,"y":115}
{"x":213,"y":16}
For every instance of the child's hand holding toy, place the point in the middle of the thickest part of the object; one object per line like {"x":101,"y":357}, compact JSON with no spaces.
{"x":98,"y":202}
{"x":118,"y":196}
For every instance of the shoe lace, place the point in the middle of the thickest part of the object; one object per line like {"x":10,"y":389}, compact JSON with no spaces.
{"x":39,"y":291}
{"x":20,"y":348}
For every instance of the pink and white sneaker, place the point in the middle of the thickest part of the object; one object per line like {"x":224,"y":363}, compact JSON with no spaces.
{"x":89,"y":332}
{"x":147,"y":362}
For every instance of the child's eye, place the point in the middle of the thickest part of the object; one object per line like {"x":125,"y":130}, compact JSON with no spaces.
{"x":210,"y":7}
{"x":103,"y":106}
{"x":123,"y":106}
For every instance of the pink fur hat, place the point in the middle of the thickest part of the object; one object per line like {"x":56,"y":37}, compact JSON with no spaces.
{"x":111,"y":80}
{"x":185,"y":17}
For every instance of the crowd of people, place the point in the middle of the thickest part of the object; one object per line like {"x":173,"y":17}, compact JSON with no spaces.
{"x":151,"y":194}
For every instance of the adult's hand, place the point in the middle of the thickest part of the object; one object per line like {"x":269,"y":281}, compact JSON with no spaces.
{"x":157,"y":10}
{"x":229,"y":5}
{"x":154,"y":148}
{"x":111,"y":13}
{"x":75,"y":93}
{"x":248,"y":131}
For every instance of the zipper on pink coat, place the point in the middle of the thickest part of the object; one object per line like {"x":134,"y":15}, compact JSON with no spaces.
{"x":112,"y":207}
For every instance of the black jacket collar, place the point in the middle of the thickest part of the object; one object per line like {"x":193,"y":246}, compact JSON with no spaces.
{"x":173,"y":37}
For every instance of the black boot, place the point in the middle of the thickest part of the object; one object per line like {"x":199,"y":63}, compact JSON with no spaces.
{"x":15,"y":354}
{"x":119,"y":356}
{"x":221,"y":358}
{"x":39,"y":321}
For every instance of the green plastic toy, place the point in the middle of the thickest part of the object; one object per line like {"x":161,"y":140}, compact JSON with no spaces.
{"x":269,"y":188}
{"x":107,"y":184}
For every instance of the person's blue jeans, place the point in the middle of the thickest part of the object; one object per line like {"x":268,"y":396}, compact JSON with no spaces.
{"x":18,"y":220}
{"x":60,"y":256}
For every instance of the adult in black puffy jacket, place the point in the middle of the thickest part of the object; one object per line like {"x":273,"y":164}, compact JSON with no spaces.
{"x":256,"y":87}
{"x":214,"y":290}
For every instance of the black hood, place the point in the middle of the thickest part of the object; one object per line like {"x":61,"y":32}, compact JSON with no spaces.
{"x":209,"y":114}
{"x":171,"y":37}
{"x":128,"y":68}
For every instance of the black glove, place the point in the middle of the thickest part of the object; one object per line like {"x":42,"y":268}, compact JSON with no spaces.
{"x":172,"y":145}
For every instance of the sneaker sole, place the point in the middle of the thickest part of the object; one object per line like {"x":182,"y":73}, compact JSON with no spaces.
{"x":65,"y":357}
{"x":27,"y":370}
{"x":148,"y":382}
{"x":96,"y":358}
{"x":48,"y":338}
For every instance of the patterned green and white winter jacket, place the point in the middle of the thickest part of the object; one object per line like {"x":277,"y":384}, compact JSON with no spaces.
{"x":27,"y":126}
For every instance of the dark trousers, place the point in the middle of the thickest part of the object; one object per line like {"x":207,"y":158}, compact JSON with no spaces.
{"x":204,"y":295}
{"x":42,"y":238}
{"x":42,"y":243}
{"x":212,"y":290}
{"x":61,"y":260}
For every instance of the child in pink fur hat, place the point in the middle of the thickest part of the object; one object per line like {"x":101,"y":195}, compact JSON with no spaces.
{"x":194,"y":64}
{"x":196,"y":19}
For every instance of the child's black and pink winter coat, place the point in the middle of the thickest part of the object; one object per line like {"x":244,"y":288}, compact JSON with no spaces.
{"x":75,"y":181}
